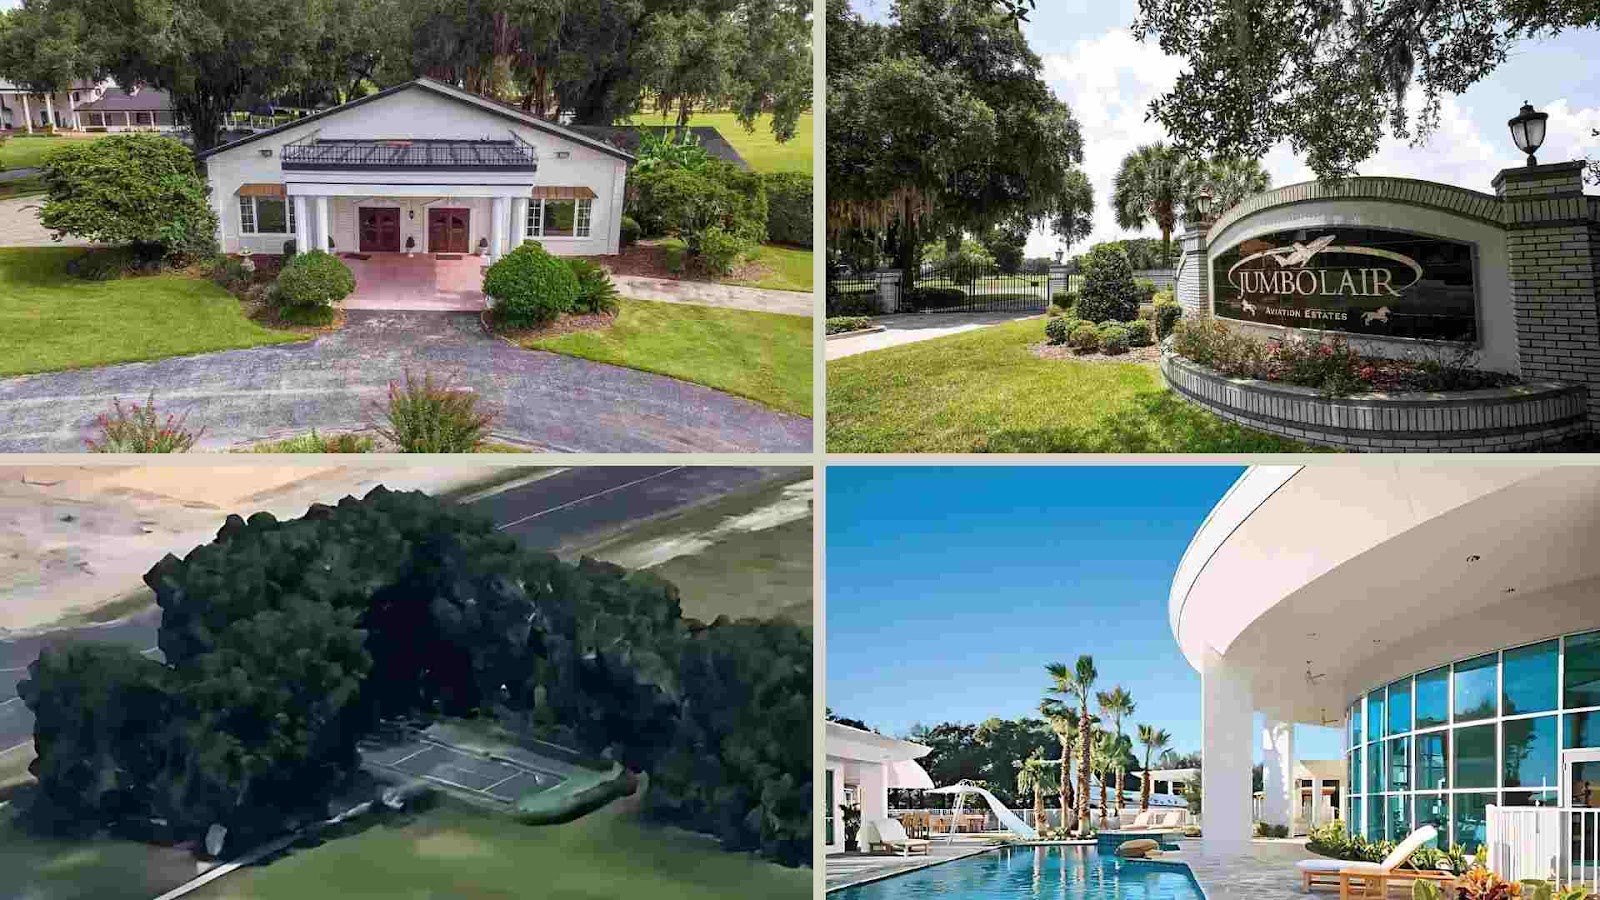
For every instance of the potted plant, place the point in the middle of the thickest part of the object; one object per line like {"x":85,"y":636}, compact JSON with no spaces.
{"x":851,"y":817}
{"x":411,"y":245}
{"x":483,"y":246}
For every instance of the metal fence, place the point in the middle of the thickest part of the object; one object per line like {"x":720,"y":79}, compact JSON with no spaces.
{"x":968,"y":287}
{"x":1545,"y":843}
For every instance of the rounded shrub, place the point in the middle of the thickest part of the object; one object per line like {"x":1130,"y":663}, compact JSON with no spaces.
{"x":313,"y":280}
{"x":720,"y":249}
{"x":530,"y":287}
{"x":1055,"y":330}
{"x":1140,"y":333}
{"x":630,"y":231}
{"x":788,"y":208}
{"x":1108,"y":291}
{"x":1113,"y":338}
{"x":1084,"y":338}
{"x":1167,"y":314}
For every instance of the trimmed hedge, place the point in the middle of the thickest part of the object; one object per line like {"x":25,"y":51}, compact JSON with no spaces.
{"x":530,"y":287}
{"x":789,"y":208}
{"x":313,"y":279}
{"x":1056,"y":330}
{"x":1084,"y":337}
{"x":1113,"y":338}
{"x":1108,"y":291}
{"x":1140,"y":334}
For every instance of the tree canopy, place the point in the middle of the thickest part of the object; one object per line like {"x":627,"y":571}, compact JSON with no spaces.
{"x":940,"y":123}
{"x":1329,"y":76}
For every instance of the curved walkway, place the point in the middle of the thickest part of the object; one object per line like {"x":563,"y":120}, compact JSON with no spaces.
{"x":710,"y":293}
{"x":339,"y":382}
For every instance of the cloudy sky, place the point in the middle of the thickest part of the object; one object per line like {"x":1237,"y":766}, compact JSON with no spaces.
{"x":1108,"y":78}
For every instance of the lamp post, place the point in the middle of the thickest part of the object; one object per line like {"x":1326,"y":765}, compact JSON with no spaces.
{"x":1202,"y":204}
{"x":1527,"y":130}
{"x":1059,"y":254}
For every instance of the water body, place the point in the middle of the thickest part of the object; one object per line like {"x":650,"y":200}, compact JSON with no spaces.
{"x":1035,"y":873}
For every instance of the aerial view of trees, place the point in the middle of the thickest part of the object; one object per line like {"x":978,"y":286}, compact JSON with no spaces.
{"x":595,"y":60}
{"x":287,"y":642}
{"x":1327,"y":76}
{"x":940,"y":124}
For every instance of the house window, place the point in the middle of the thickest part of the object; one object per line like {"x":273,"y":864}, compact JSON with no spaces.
{"x":144,"y":118}
{"x":559,"y":218}
{"x":266,"y":215}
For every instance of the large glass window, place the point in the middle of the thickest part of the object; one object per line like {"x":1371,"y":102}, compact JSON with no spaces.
{"x":1529,"y":678}
{"x":1374,"y":768}
{"x":1400,"y":707}
{"x":1434,"y":809}
{"x":1355,"y":725}
{"x":1375,"y":709}
{"x":1433,"y":760}
{"x":1583,"y":670}
{"x":1530,"y":752}
{"x":1475,"y":755}
{"x":559,"y":218}
{"x":1354,"y":781}
{"x":1375,"y":818}
{"x":1433,"y":697}
{"x":1475,"y":688}
{"x":827,"y":820}
{"x":1399,"y":817}
{"x":1580,"y":730}
{"x":264,"y":215}
{"x":1470,"y":812}
{"x":1398,"y":765}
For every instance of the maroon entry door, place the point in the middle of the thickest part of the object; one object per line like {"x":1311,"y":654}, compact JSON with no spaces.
{"x":447,"y":230}
{"x":380,"y":229}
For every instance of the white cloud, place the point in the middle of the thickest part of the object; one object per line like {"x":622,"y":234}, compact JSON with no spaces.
{"x":1109,"y":81}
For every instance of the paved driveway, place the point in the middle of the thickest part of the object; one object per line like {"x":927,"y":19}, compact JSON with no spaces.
{"x":910,"y":328}
{"x":339,"y":381}
{"x":422,"y":282}
{"x":19,"y":225}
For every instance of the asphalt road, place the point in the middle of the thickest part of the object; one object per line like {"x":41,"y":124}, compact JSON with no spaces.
{"x":569,"y":509}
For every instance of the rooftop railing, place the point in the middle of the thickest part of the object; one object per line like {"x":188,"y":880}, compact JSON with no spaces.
{"x":514,"y":154}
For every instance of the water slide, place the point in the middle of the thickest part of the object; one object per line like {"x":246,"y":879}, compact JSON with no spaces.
{"x":1007,"y":818}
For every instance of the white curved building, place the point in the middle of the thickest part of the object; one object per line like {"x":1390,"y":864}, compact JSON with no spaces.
{"x":1443,"y":616}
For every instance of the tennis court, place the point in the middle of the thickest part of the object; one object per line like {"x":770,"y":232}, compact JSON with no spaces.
{"x":492,"y":776}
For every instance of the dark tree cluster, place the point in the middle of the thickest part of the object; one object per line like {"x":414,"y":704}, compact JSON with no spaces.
{"x":288,"y":642}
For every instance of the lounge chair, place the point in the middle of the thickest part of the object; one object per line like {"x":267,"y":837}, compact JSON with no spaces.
{"x":1141,"y":822}
{"x":1370,"y":879}
{"x":891,"y":836}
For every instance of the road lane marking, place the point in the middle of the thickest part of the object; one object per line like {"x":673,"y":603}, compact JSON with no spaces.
{"x":609,"y":490}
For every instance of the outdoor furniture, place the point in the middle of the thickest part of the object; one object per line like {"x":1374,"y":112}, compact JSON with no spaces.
{"x":1369,"y":879}
{"x":1141,"y":822}
{"x":891,"y":836}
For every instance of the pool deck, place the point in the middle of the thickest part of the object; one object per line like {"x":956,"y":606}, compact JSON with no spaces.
{"x":1259,"y":870}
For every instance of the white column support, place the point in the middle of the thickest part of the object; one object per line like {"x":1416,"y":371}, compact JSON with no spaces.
{"x":1277,"y":773}
{"x":322,"y":233}
{"x":1226,"y":714}
{"x":50,"y":110}
{"x":27,"y":114}
{"x":302,"y":224}
{"x":497,"y":228}
{"x":519,"y":221}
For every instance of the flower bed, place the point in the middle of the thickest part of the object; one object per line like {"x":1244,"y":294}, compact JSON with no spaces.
{"x":1524,"y":416}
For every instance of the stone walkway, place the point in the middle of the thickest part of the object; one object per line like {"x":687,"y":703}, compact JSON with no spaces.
{"x":1259,"y":870}
{"x":845,"y":869}
{"x":19,"y":225}
{"x":910,"y":328}
{"x":338,"y":382}
{"x":707,"y":293}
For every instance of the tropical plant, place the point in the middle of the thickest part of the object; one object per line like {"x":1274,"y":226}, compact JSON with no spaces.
{"x":850,"y":818}
{"x":1149,"y":188}
{"x":1063,"y":721}
{"x":1077,"y":682}
{"x":1153,"y":739}
{"x":139,"y":430}
{"x":1117,"y":702}
{"x":1031,"y":778}
{"x":597,"y":293}
{"x":429,"y":416}
{"x":1106,"y":754}
{"x":668,"y":148}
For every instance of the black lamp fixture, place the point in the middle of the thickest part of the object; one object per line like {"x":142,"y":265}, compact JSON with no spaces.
{"x":1059,"y":253}
{"x":1527,"y":130}
{"x":1202,"y":204}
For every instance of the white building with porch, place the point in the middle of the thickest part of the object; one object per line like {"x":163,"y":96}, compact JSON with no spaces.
{"x":861,"y":767}
{"x":1445,"y":618}
{"x":424,"y":168}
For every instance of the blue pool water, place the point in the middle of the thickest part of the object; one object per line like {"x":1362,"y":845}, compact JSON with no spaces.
{"x":1035,"y":873}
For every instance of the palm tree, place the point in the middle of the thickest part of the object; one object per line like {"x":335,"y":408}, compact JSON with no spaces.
{"x":1229,"y":179}
{"x":1078,"y":682}
{"x":1031,"y":777}
{"x":1106,"y":752}
{"x":1150,"y":186}
{"x":1063,"y":721}
{"x":1153,"y":739}
{"x":1114,"y":704}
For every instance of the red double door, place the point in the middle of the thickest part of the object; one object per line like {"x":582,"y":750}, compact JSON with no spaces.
{"x":448,"y":230}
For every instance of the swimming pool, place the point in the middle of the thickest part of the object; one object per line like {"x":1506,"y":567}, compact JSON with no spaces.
{"x":1037,"y":873}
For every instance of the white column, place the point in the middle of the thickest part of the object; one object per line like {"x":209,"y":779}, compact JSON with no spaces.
{"x":27,"y":114}
{"x":1277,"y":776}
{"x":50,"y":109}
{"x":302,"y":224}
{"x":874,"y":791}
{"x":1317,"y":788}
{"x":322,"y":223}
{"x":497,"y":228}
{"x":1226,"y":713}
{"x":519,"y":221}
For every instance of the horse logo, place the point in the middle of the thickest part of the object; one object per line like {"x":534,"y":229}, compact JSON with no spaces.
{"x":1248,"y":306}
{"x":1381,"y":314}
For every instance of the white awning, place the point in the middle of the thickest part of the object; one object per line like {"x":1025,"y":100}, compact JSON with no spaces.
{"x":907,"y":773}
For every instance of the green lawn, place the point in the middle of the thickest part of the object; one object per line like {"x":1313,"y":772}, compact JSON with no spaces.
{"x":763,"y":356}
{"x":455,"y":851}
{"x":27,"y":151}
{"x":94,"y":869}
{"x":789,"y":269}
{"x":760,"y":150}
{"x":50,"y":320}
{"x":983,"y":391}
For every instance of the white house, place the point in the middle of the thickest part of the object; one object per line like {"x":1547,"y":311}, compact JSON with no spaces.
{"x":24,"y":110}
{"x":421,"y":166}
{"x":861,"y":767}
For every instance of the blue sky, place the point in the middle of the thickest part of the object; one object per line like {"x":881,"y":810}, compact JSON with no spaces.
{"x":1108,"y":78}
{"x":950,"y":588}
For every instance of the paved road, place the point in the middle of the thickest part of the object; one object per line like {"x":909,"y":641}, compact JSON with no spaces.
{"x":570,"y":508}
{"x":338,"y":382}
{"x":19,"y":225}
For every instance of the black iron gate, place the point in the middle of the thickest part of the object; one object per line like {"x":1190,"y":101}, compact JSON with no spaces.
{"x":959,"y":286}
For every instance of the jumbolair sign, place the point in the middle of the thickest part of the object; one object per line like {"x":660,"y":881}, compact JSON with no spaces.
{"x":1368,"y":281}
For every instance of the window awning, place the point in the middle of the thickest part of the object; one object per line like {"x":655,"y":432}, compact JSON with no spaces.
{"x":548,"y":192}
{"x":262,"y":190}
